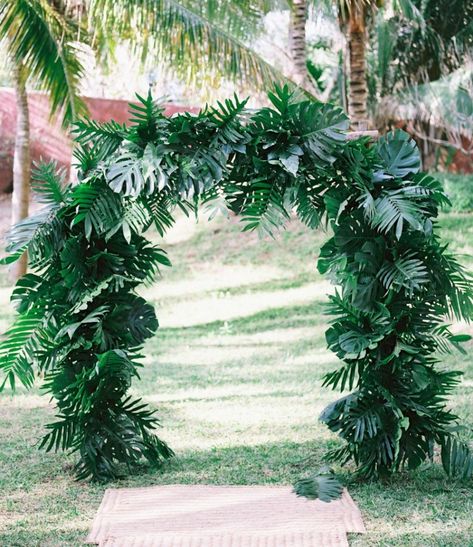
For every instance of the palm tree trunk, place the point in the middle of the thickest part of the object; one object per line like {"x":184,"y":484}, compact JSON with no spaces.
{"x":21,"y":163}
{"x":358,"y":88}
{"x":297,"y":45}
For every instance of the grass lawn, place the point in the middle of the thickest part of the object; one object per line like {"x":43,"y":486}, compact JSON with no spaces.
{"x":235,"y":371}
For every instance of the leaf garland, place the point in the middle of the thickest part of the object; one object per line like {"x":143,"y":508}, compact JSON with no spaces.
{"x":81,"y":323}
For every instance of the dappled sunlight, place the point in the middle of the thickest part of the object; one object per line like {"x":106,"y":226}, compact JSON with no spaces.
{"x":263,"y":412}
{"x":202,"y":356}
{"x":39,"y":509}
{"x":317,"y":357}
{"x":427,"y":531}
{"x":275,"y":336}
{"x":228,"y":307}
{"x":257,"y":418}
{"x":213,"y":277}
{"x":258,"y":436}
{"x":221,"y":348}
{"x":24,"y":401}
{"x":220,"y":392}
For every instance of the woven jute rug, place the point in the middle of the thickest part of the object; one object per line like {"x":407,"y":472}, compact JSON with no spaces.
{"x":221,"y":516}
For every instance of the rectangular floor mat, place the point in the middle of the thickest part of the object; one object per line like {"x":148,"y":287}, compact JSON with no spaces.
{"x":221,"y":516}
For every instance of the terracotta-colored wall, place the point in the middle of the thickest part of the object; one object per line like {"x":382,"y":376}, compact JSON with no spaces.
{"x":48,"y":141}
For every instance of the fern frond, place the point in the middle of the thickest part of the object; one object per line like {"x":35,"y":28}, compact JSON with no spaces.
{"x":264,"y":208}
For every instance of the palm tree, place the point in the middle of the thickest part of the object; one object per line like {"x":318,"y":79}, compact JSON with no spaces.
{"x":297,"y":45}
{"x":353,"y":16}
{"x":38,"y":39}
{"x":191,"y":36}
{"x":21,"y":162}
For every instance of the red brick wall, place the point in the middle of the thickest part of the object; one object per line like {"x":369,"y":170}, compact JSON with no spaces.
{"x":48,"y":141}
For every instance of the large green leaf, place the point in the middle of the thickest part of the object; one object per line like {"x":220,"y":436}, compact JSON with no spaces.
{"x":131,"y":176}
{"x":399,"y":153}
{"x":322,"y":129}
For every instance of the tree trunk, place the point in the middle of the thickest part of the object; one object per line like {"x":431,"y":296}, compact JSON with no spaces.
{"x":358,"y":87}
{"x":21,"y":163}
{"x":297,"y":45}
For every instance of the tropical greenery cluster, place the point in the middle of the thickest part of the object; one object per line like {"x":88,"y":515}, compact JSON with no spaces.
{"x":82,"y":324}
{"x":391,"y":62}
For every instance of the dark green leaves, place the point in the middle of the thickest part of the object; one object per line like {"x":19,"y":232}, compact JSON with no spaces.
{"x":406,"y":271}
{"x":457,"y":458}
{"x":82,"y":323}
{"x":399,"y":153}
{"x":321,"y":128}
{"x":394,"y":211}
{"x":323,"y":486}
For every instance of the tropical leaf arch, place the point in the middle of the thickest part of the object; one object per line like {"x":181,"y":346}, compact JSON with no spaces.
{"x":83,"y":326}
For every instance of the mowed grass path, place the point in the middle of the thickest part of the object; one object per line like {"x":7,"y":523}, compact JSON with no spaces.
{"x":235,"y":371}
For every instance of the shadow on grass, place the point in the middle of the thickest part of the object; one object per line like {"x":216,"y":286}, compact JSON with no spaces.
{"x":422,"y":508}
{"x":305,"y":315}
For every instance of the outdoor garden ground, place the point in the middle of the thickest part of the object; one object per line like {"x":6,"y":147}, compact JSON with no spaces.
{"x":235,"y":371}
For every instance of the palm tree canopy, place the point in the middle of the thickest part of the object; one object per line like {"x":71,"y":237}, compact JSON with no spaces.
{"x":41,"y":39}
{"x":192,"y":37}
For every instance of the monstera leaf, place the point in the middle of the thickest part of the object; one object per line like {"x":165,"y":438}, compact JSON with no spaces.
{"x":131,"y":176}
{"x":323,"y":486}
{"x":322,"y":129}
{"x":399,"y":153}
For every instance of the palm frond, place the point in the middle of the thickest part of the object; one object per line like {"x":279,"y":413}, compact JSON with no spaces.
{"x":42,"y":40}
{"x":18,"y":347}
{"x":407,"y":271}
{"x":457,"y":458}
{"x":191,"y":37}
{"x":394,"y":210}
{"x":48,"y":183}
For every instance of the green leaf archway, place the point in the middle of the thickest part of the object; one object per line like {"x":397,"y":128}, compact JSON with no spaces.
{"x":81,"y":323}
